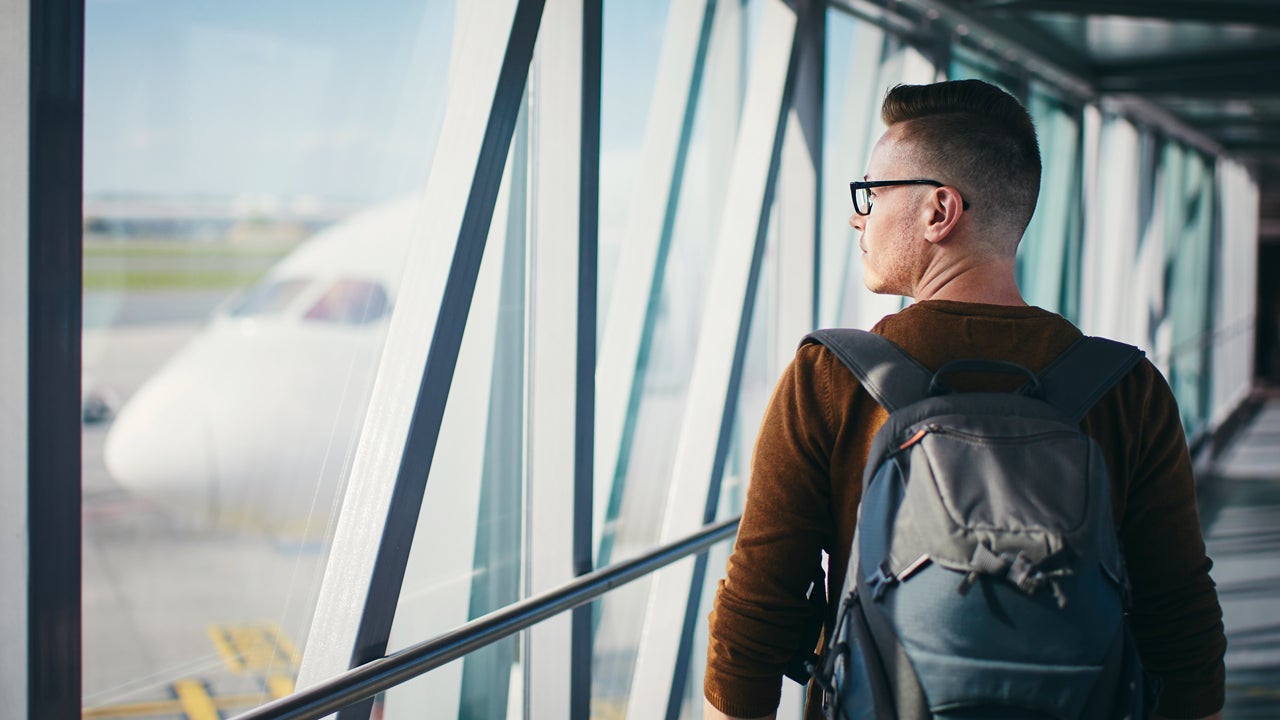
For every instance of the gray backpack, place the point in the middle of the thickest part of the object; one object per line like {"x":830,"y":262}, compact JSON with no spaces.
{"x":986,"y":578}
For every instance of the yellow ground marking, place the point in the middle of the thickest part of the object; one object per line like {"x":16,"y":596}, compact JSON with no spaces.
{"x":608,"y":709}
{"x":194,"y":698}
{"x":253,"y":648}
{"x":222,"y":644}
{"x":133,"y":710}
{"x":168,"y":708}
{"x":259,"y":648}
{"x":244,"y":649}
{"x":284,"y":645}
{"x":279,"y":685}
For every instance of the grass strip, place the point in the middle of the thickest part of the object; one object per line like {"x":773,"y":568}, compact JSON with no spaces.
{"x":161,"y":280}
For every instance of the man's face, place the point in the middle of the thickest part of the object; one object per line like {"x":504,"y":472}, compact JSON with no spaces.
{"x":890,"y":237}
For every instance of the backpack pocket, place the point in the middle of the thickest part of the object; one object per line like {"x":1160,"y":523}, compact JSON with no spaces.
{"x":852,"y":677}
{"x":955,"y":684}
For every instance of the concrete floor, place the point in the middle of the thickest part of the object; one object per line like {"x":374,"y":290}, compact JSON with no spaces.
{"x":1240,"y":512}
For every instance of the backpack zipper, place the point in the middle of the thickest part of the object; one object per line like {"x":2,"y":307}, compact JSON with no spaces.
{"x":973,"y":437}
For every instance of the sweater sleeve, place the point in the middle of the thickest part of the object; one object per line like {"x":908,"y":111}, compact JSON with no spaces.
{"x":760,"y":609}
{"x":1176,"y":618}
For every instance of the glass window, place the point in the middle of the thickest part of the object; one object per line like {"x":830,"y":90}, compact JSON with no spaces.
{"x":863,"y":62}
{"x":241,"y":160}
{"x":1189,"y":236}
{"x":1049,"y":256}
{"x":646,"y":453}
{"x":468,"y":552}
{"x":352,"y":302}
{"x":268,"y":298}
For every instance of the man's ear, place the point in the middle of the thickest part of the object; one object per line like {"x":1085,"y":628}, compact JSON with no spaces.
{"x":945,"y":209}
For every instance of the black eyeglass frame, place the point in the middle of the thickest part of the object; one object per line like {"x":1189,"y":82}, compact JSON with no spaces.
{"x":857,"y":185}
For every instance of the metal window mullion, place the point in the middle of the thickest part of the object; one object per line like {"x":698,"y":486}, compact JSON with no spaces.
{"x":638,"y":281}
{"x":584,"y":545}
{"x":54,"y":90}
{"x":437,"y":593}
{"x":553,"y":409}
{"x":717,"y":364}
{"x":360,"y":591}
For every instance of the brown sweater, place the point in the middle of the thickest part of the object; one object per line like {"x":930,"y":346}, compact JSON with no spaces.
{"x":806,"y":479}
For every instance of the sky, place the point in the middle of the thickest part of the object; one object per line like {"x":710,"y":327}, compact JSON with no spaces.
{"x":317,"y":98}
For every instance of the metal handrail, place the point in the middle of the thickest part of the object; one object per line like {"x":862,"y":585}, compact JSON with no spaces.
{"x":365,"y":681}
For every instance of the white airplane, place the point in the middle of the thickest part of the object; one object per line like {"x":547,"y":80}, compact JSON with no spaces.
{"x":253,"y":423}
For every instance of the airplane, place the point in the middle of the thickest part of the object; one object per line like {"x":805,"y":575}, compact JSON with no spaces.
{"x":270,"y":396}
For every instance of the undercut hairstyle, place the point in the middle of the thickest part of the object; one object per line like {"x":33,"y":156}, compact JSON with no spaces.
{"x":976,"y":137}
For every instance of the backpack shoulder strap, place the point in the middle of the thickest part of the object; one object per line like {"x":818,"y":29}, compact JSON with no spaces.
{"x":893,"y":378}
{"x":1084,"y":372}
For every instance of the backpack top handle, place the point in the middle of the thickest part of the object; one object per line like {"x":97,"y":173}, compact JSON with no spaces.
{"x":937,"y":387}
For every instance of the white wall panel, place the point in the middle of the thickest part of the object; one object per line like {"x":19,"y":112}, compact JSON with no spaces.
{"x":796,"y":214}
{"x":797,"y":203}
{"x":1111,"y":221}
{"x":1236,"y":286}
{"x":14,"y":22}
{"x":556,"y":114}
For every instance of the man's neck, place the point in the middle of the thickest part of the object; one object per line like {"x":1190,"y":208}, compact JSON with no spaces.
{"x":989,"y":282}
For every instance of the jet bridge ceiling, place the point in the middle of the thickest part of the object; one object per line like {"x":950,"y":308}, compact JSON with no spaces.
{"x":1214,"y":65}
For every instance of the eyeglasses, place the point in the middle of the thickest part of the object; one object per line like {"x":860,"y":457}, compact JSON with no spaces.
{"x":861,"y":191}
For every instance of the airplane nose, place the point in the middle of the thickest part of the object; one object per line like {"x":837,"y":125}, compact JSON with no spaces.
{"x":159,"y":448}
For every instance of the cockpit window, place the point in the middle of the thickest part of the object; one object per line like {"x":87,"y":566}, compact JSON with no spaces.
{"x":268,"y":298}
{"x":350,"y":301}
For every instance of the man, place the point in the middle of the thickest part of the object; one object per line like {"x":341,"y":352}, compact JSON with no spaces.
{"x":951,"y":186}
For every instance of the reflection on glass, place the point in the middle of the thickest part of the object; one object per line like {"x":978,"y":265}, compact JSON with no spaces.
{"x":355,"y":302}
{"x":242,"y":253}
{"x":873,"y":62}
{"x":268,"y":298}
{"x":648,"y":449}
{"x":467,"y":554}
{"x":1049,"y":255}
{"x":1189,"y":210}
{"x":759,"y":375}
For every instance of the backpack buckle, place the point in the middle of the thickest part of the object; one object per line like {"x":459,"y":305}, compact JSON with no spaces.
{"x":881,"y":580}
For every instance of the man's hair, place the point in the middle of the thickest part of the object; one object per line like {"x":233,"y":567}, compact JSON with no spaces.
{"x":979,"y":138}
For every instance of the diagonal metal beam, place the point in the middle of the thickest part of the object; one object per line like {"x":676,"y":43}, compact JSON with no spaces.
{"x":437,"y":376}
{"x":361,"y":588}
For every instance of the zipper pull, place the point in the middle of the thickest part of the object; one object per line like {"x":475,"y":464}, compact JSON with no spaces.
{"x":916,"y":438}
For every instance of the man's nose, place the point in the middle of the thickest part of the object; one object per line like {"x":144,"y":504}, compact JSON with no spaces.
{"x":855,"y":221}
